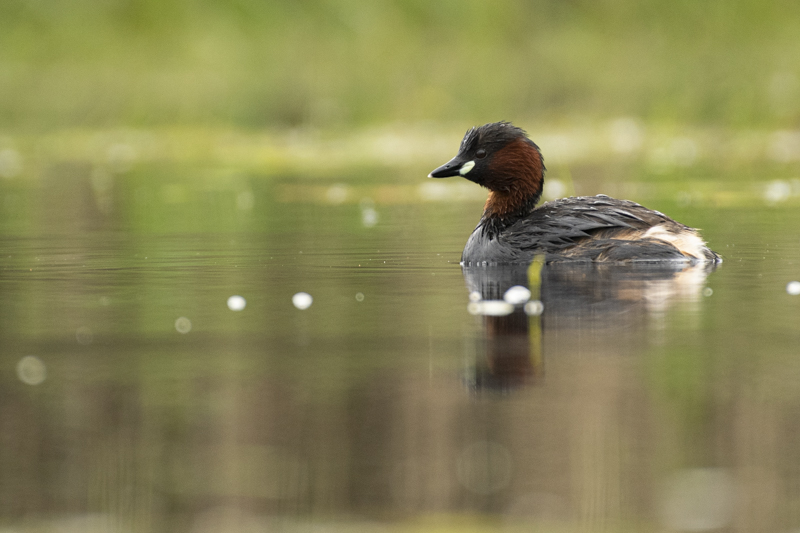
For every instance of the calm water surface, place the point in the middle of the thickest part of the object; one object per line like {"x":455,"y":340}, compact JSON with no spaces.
{"x":134,"y":399}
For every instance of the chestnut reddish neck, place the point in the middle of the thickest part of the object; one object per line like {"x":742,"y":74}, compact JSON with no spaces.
{"x":516,"y":176}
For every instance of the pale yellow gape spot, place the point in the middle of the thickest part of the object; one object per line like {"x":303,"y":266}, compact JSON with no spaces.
{"x":466,"y":167}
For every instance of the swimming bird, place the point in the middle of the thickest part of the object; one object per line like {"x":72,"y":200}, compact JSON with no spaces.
{"x":502,"y":158}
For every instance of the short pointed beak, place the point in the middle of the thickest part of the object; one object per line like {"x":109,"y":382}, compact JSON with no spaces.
{"x":448,"y":170}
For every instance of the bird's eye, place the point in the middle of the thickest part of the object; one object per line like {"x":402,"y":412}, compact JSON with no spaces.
{"x":481,"y":153}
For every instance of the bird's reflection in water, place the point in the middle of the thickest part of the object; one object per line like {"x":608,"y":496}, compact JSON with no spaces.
{"x":565,"y":297}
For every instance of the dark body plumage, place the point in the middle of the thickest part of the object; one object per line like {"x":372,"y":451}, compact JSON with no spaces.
{"x":501,"y":158}
{"x":584,"y":228}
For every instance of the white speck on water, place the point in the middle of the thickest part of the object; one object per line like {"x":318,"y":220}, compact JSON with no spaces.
{"x":793,"y":288}
{"x":359,"y":296}
{"x":534,"y":308}
{"x":302,"y":300}
{"x":708,"y":291}
{"x":183,"y":325}
{"x":236,"y":303}
{"x":490,"y":308}
{"x":369,"y":217}
{"x":777,"y":191}
{"x":31,"y":370}
{"x":517,"y":295}
{"x":475,"y":296}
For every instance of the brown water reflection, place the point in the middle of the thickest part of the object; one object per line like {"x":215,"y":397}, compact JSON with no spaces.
{"x":601,"y":301}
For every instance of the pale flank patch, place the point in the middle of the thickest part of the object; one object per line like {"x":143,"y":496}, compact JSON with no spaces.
{"x":466,"y":167}
{"x":688,"y":242}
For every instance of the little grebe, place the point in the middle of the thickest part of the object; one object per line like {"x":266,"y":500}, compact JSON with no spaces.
{"x":501,"y":157}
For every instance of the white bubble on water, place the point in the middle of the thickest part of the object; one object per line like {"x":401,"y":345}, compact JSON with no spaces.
{"x":490,"y":308}
{"x":708,"y":291}
{"x":31,"y":370}
{"x":777,"y":191}
{"x":359,"y":296}
{"x":236,"y":303}
{"x":517,"y":295}
{"x":302,"y":300}
{"x":534,"y":308}
{"x":369,"y":217}
{"x":475,"y":296}
{"x":183,"y":325}
{"x":793,"y":288}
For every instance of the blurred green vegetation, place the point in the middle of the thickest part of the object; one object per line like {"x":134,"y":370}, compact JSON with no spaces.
{"x":337,"y":64}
